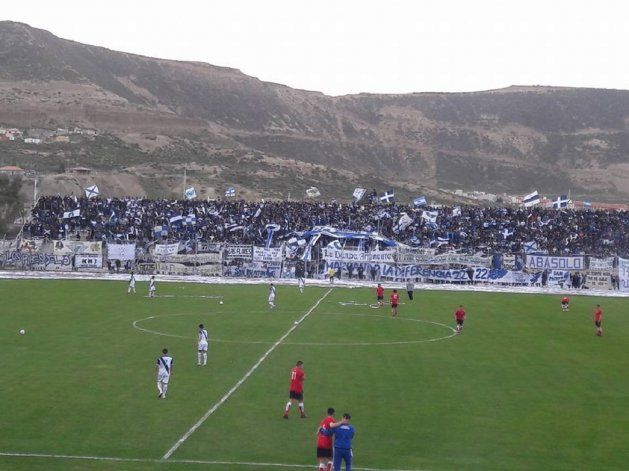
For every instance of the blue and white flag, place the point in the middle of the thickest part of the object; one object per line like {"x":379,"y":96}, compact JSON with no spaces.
{"x":270,"y":229}
{"x":530,"y":247}
{"x":531,"y":199}
{"x":190,"y":194}
{"x":456,"y":211}
{"x":387,"y":196}
{"x":72,"y":214}
{"x":230,"y":192}
{"x":175,"y":220}
{"x":160,"y":231}
{"x":419,"y":201}
{"x":506,"y":233}
{"x":404,"y":221}
{"x":91,"y":192}
{"x":358,"y":194}
{"x":430,"y":216}
{"x":335,"y":245}
{"x":587,"y":205}
{"x":561,"y":202}
{"x":190,"y":220}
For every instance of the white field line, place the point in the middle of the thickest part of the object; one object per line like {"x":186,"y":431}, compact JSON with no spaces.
{"x":183,"y":461}
{"x":213,"y":280}
{"x":235,"y":387}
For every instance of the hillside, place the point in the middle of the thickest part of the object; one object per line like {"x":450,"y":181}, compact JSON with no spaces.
{"x":155,"y":115}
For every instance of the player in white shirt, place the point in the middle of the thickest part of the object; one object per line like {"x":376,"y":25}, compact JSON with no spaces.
{"x":302,"y":284}
{"x":272,"y":296}
{"x":164,"y":370}
{"x":152,"y":287}
{"x":131,"y":284}
{"x":202,"y":340}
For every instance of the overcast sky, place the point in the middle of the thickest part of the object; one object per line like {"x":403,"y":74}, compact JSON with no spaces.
{"x":351,"y":46}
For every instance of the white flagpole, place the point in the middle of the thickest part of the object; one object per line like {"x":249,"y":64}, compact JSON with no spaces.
{"x":184,"y":182}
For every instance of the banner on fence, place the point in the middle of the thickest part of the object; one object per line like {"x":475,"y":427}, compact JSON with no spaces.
{"x":84,"y":261}
{"x":244,"y":252}
{"x":549,"y":262}
{"x":558,"y":279}
{"x":254,"y":270}
{"x":201,"y":258}
{"x":68,"y":247}
{"x":262,"y":254}
{"x":606,"y":263}
{"x":35,"y":261}
{"x":623,"y":274}
{"x":146,"y":268}
{"x":358,"y":256}
{"x":121,"y":251}
{"x":209,"y":247}
{"x":598,"y":279}
{"x":30,"y":245}
{"x":444,"y":259}
{"x":170,"y":268}
{"x":166,"y":250}
{"x":503,"y":276}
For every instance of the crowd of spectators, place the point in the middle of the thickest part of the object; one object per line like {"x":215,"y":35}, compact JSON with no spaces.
{"x":564,"y":231}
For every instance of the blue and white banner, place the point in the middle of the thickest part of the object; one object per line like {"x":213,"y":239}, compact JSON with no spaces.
{"x":387,"y":197}
{"x":404,"y":221}
{"x":510,"y":277}
{"x":430,"y":216}
{"x":358,"y":256}
{"x":88,"y":262}
{"x":531,"y":199}
{"x":265,"y":254}
{"x":601,"y":263}
{"x":623,"y":274}
{"x":549,"y":262}
{"x":72,"y":214}
{"x":91,"y":192}
{"x":558,"y":279}
{"x":230,"y":192}
{"x":165,"y":250}
{"x":244,"y":252}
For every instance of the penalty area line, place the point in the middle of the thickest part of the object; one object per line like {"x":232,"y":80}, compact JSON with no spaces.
{"x":235,"y":387}
{"x":181,"y":461}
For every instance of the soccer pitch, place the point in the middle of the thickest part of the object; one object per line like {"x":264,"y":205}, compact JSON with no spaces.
{"x":525,"y":386}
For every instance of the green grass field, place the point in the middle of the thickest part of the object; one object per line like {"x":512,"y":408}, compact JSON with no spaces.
{"x":525,"y":387}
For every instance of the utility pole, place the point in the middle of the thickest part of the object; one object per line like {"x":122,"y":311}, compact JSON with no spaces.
{"x":183,"y":193}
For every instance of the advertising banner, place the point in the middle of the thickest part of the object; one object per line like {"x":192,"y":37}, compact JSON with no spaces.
{"x":598,"y":279}
{"x":623,"y":274}
{"x":36,"y":261}
{"x":606,"y":263}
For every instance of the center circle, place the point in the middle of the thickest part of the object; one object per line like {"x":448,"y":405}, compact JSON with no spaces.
{"x":140,"y":324}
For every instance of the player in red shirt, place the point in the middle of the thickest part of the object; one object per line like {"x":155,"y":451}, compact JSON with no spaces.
{"x":565,"y":303}
{"x":324,"y":443}
{"x":598,"y":318}
{"x":296,"y":392}
{"x":380,"y":295}
{"x":459,"y":316}
{"x":395,"y":299}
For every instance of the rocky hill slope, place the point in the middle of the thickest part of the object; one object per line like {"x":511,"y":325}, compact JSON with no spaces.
{"x":155,"y":115}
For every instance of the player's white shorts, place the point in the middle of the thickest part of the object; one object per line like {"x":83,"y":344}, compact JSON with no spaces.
{"x":272,"y":298}
{"x":163,"y":378}
{"x":203,"y":346}
{"x":132,"y":284}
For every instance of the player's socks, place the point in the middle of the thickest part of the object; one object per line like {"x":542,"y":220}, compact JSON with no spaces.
{"x":159,"y":388}
{"x":301,"y":409}
{"x":165,"y":388}
{"x":199,"y":358}
{"x":329,"y":467}
{"x":204,"y":359}
{"x":321,"y":467}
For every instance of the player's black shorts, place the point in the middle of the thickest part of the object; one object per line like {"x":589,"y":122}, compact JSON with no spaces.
{"x":296,"y":395}
{"x":459,"y":322}
{"x":564,"y":304}
{"x":597,"y":323}
{"x":324,"y":452}
{"x":393,"y":306}
{"x":380,"y":298}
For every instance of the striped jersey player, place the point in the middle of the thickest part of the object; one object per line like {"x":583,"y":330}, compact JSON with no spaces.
{"x":164,"y":370}
{"x":202,"y":343}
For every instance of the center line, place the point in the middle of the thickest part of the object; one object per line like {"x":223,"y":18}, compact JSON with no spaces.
{"x":235,"y":387}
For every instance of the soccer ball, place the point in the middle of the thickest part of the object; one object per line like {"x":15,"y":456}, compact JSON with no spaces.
{"x":220,"y":302}
{"x":22,"y":331}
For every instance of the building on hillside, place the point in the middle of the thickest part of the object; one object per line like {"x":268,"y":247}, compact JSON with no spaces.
{"x":32,"y":140}
{"x":62,"y":139}
{"x":12,"y":171}
{"x":80,"y":170}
